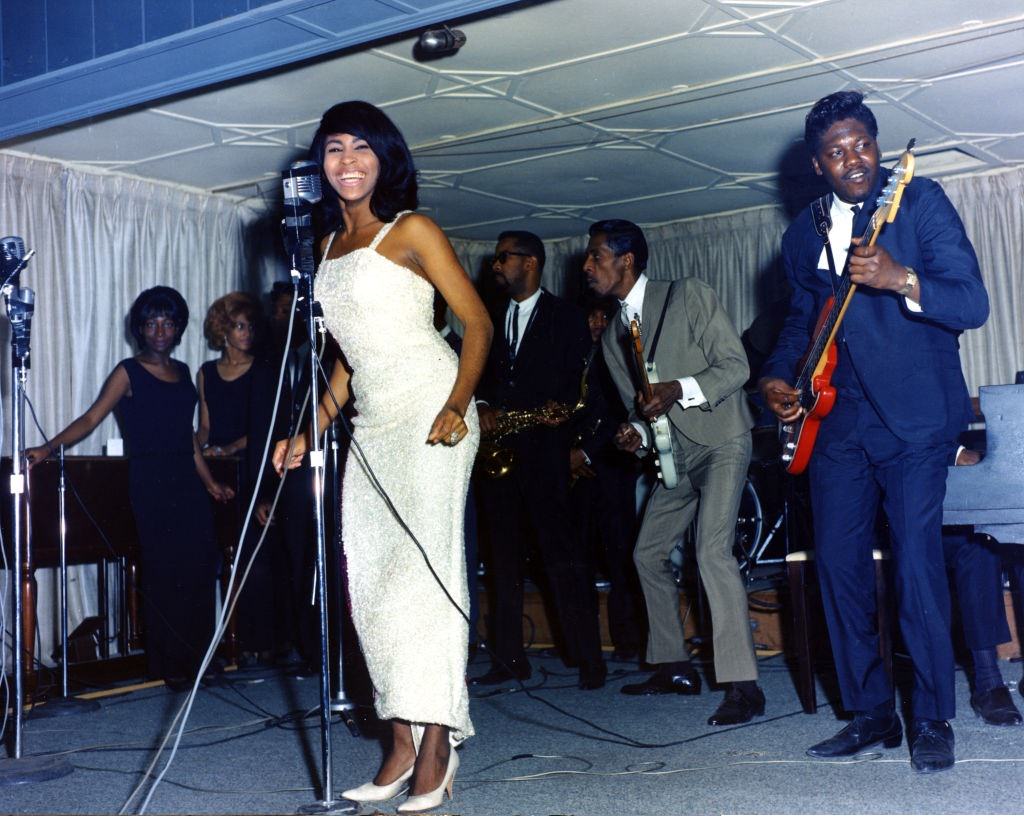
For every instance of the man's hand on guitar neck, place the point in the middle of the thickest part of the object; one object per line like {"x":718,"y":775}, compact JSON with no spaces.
{"x":873,"y":266}
{"x":781,"y":398}
{"x":663,"y":396}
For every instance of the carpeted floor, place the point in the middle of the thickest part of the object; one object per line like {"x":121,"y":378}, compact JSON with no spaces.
{"x":250,"y":748}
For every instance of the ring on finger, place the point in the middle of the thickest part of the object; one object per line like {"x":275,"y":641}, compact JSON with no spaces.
{"x":453,"y":437}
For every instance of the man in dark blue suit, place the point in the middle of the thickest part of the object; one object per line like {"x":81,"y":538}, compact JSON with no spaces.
{"x":901,"y":402}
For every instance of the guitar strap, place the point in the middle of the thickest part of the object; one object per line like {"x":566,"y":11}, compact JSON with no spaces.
{"x":822,"y":224}
{"x":661,"y":320}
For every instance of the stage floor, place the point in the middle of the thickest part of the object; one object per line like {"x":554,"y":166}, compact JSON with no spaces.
{"x":251,"y":748}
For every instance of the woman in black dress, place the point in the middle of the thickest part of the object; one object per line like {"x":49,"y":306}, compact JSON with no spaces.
{"x":236,"y":399}
{"x":225,"y":384}
{"x":169,"y":485}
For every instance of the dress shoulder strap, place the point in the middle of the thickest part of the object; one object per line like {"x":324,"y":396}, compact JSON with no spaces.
{"x":386,"y":229}
{"x":330,"y":243}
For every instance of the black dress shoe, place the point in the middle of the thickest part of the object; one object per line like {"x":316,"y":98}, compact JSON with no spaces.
{"x":178,"y":684}
{"x":738,"y":707}
{"x":931,"y":746}
{"x":863,"y":732}
{"x":625,"y":655}
{"x":664,"y":681}
{"x":592,"y":675}
{"x":996,"y":707}
{"x":516,"y":670}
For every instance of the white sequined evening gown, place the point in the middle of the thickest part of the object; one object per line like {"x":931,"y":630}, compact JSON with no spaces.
{"x":414,"y":641}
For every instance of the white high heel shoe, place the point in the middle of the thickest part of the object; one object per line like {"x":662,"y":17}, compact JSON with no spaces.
{"x":378,"y":793}
{"x":426,"y":801}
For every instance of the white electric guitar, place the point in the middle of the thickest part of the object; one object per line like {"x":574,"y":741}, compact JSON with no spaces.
{"x":660,"y":430}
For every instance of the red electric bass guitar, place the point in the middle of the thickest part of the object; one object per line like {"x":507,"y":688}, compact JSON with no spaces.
{"x":817,"y":394}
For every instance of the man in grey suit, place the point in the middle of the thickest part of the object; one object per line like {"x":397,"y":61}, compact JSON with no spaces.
{"x":702,"y":365}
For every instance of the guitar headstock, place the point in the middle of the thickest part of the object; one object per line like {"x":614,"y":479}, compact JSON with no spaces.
{"x":888,"y":201}
{"x":635,"y":333}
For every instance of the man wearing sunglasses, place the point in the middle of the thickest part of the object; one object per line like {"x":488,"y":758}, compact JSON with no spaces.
{"x":537,"y":358}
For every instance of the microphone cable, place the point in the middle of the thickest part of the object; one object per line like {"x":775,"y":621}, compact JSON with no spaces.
{"x":610,"y":736}
{"x":230,"y":599}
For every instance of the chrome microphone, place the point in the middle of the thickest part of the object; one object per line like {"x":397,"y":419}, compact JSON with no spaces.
{"x":302,"y":189}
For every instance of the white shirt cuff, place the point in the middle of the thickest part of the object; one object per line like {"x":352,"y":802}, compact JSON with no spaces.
{"x":913,"y":305}
{"x":692,"y":395}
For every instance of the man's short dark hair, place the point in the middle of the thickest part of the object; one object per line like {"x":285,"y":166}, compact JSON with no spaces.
{"x":281,"y":289}
{"x":606,"y":304}
{"x":160,"y":301}
{"x":834,"y":108}
{"x":527,"y":242}
{"x":622,"y":237}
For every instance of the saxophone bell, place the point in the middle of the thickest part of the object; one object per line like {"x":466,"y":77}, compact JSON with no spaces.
{"x":495,"y":460}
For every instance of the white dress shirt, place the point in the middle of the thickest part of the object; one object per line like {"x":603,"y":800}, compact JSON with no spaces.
{"x":526,"y":308}
{"x":840,"y":237}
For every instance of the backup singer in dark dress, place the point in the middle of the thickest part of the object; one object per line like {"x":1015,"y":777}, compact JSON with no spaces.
{"x":169,"y":485}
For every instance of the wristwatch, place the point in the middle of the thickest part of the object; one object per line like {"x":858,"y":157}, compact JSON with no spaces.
{"x":908,"y":287}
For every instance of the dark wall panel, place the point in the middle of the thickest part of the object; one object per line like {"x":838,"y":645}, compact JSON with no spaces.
{"x":162,"y":19}
{"x":210,"y":11}
{"x":118,"y":25}
{"x":24,"y":40}
{"x":69,"y":35}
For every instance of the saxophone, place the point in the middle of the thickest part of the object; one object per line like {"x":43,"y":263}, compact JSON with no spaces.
{"x":497,"y":461}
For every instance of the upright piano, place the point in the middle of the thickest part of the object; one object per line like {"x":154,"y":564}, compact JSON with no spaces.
{"x":100,"y":530}
{"x":990,"y":494}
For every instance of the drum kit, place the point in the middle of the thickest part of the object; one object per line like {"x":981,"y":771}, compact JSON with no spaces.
{"x":773,"y":518}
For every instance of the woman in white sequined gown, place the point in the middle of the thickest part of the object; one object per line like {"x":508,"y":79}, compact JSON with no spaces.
{"x":417,"y":427}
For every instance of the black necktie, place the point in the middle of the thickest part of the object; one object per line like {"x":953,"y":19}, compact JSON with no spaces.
{"x":514,"y":341}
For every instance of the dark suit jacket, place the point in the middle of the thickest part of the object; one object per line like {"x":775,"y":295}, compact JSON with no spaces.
{"x":549,"y":365}
{"x":697,"y":340}
{"x":907,"y":363}
{"x":1020,"y":378}
{"x":594,"y":427}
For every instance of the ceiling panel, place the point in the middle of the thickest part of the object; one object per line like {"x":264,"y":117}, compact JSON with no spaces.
{"x":525,"y":126}
{"x":633,"y":75}
{"x":844,"y":27}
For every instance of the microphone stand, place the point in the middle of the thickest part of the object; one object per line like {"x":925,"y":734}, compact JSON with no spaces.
{"x":18,"y":769}
{"x":340,"y":704}
{"x":302,"y":259}
{"x":66,"y":704}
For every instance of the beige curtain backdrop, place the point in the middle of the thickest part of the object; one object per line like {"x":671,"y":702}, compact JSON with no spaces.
{"x":100,"y":239}
{"x":737,"y":254}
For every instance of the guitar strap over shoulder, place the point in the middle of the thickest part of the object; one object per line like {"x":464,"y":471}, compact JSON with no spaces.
{"x":822,"y":224}
{"x":657,"y":332}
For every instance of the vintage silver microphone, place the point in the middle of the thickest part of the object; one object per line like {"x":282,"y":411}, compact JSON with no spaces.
{"x":302,"y":190}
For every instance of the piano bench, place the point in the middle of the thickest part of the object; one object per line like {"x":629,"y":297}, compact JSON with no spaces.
{"x":798,"y":573}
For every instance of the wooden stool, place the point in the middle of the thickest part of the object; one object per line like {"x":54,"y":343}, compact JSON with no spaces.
{"x":796,"y":567}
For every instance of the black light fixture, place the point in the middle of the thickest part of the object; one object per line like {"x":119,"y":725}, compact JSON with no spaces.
{"x":438,"y":42}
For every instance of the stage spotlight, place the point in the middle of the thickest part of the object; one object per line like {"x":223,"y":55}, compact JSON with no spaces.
{"x":439,"y":42}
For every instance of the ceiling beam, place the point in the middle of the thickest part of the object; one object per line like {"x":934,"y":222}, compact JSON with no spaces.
{"x":260,"y":39}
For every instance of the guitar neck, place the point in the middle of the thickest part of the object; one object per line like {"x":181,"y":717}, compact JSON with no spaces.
{"x":830,"y":325}
{"x":638,"y":356}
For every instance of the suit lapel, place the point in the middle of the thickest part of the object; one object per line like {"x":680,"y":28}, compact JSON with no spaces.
{"x":529,"y":339}
{"x":654,"y":302}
